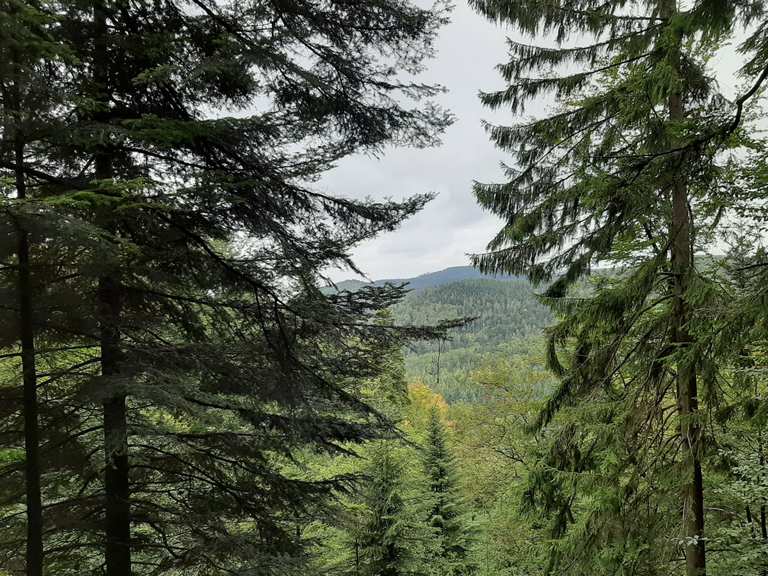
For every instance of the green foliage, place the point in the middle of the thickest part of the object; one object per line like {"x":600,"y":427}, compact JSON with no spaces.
{"x":452,"y":373}
{"x":209,"y":406}
{"x":187,"y":354}
{"x":502,"y":311}
{"x":445,"y":515}
{"x":495,"y":455}
{"x":637,"y":168}
{"x":382,"y":540}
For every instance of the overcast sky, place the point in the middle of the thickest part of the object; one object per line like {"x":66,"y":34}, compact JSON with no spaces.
{"x":452,"y":225}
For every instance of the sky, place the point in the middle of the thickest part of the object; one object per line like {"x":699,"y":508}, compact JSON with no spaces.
{"x":452,"y":225}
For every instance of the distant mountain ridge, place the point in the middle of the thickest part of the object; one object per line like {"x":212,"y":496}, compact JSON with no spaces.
{"x":430,"y":279}
{"x":508,"y":316}
{"x":510,"y":320}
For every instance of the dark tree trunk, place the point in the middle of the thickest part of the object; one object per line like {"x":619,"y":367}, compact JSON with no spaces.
{"x":116,"y":474}
{"x":687,"y":393}
{"x":34,"y":550}
{"x":763,"y":515}
{"x":116,"y":481}
{"x":764,"y":535}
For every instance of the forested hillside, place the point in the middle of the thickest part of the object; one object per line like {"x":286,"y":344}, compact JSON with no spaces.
{"x":501,"y":311}
{"x":451,"y":373}
{"x":505,"y":318}
{"x":429,"y":279}
{"x":504,"y":314}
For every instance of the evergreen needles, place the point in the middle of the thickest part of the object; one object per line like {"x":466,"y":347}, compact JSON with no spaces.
{"x":164,"y":248}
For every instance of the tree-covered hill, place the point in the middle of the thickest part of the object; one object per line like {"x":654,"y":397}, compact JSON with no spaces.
{"x":508,"y":318}
{"x":428,"y":280}
{"x":502,"y":310}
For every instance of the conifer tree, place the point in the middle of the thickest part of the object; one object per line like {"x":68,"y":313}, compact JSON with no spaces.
{"x":14,"y":134}
{"x":445,"y":515}
{"x":212,"y":353}
{"x":383,"y":545}
{"x":628,"y":172}
{"x":28,"y":56}
{"x":736,"y":328}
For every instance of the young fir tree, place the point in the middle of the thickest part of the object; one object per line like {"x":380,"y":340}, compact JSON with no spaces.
{"x":210,"y":362}
{"x":341,"y":535}
{"x":445,"y":515}
{"x":383,"y":545}
{"x":628,"y":172}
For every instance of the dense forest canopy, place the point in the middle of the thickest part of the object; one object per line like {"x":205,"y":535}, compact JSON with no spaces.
{"x":185,"y":391}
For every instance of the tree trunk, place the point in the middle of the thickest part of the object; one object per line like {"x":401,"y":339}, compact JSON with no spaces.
{"x":764,"y":535}
{"x":116,"y":481}
{"x":687,"y":393}
{"x":34,"y":550}
{"x":116,"y":478}
{"x":763,"y":514}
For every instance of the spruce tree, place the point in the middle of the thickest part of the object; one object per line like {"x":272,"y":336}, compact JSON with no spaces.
{"x":211,"y":352}
{"x":14,"y":134}
{"x":445,"y":515}
{"x":627,"y":172}
{"x":383,"y":544}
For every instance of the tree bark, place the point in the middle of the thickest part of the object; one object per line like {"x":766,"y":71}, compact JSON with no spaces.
{"x":116,"y":472}
{"x":687,"y":393}
{"x":763,"y":512}
{"x":681,"y":248}
{"x":34,"y":549}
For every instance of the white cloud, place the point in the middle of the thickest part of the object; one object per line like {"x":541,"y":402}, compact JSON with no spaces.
{"x":453,"y":224}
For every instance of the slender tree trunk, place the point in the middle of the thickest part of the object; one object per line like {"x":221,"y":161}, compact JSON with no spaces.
{"x":763,"y":518}
{"x":764,"y":536}
{"x":116,"y":474}
{"x":357,"y":557}
{"x":687,"y":393}
{"x":116,"y":482}
{"x":34,"y":550}
{"x":34,"y":543}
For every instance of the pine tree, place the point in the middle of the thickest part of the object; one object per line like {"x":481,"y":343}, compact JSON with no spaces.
{"x":626,"y":172}
{"x":445,"y":515}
